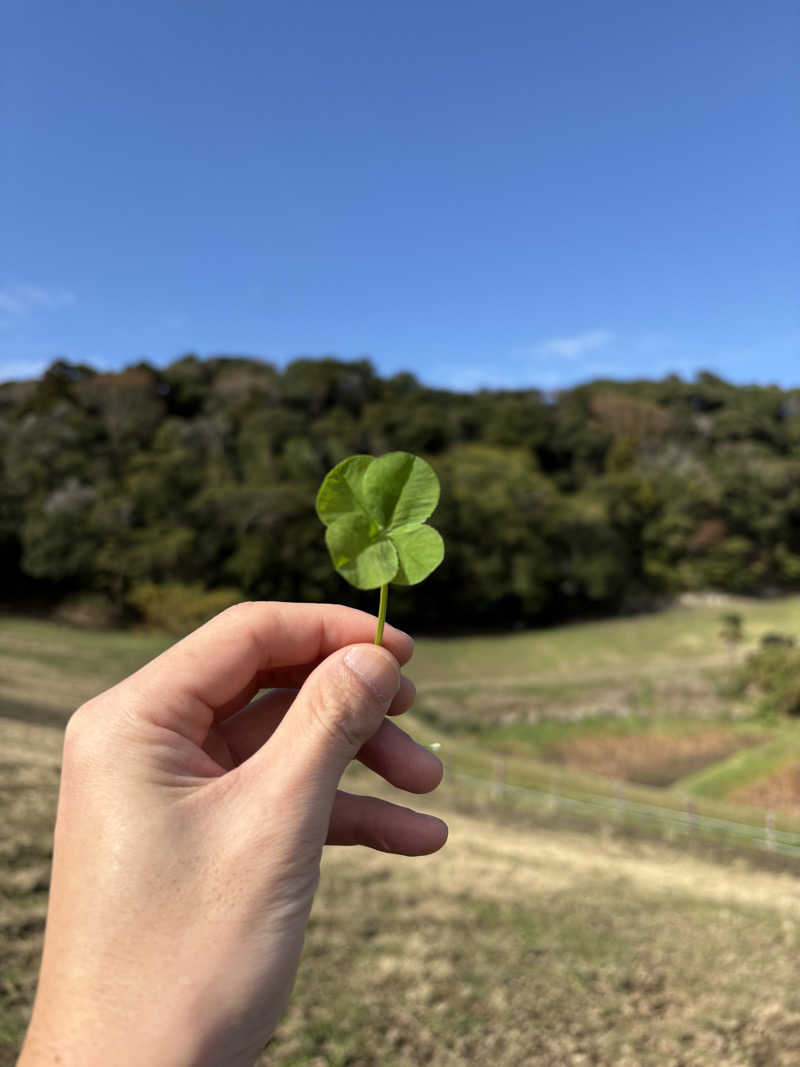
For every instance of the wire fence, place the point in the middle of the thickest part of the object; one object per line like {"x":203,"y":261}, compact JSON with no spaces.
{"x":619,"y":809}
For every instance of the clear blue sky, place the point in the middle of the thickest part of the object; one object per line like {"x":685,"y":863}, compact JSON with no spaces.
{"x":486,"y":193}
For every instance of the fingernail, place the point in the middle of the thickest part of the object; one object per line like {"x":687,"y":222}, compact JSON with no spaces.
{"x":376,"y":668}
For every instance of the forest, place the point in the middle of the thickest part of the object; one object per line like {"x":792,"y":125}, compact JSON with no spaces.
{"x":157,"y":495}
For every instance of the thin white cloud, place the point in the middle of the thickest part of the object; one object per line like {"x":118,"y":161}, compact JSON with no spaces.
{"x":576,"y":345}
{"x":16,"y":370}
{"x":22,"y":300}
{"x":562,"y":362}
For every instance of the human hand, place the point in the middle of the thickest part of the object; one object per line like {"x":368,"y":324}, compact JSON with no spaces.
{"x":189,"y":833}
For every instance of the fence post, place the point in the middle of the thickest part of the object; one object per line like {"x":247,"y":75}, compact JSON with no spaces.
{"x":770,"y":830}
{"x":692,"y":815}
{"x":619,"y":801}
{"x":498,"y":777}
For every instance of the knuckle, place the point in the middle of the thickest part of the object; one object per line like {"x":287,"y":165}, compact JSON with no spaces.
{"x":93,"y":730}
{"x":80,"y":721}
{"x":237,"y":613}
{"x":81,"y":735}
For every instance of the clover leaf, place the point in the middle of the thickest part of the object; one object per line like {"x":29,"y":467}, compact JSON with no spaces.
{"x":374,"y":511}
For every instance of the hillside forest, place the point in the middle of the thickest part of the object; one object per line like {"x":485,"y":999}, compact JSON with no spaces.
{"x":159,"y":494}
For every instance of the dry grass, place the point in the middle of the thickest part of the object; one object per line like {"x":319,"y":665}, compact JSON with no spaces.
{"x":520,"y":943}
{"x":48,"y":669}
{"x":28,"y":786}
{"x":512,"y":946}
{"x":650,"y":646}
{"x":655,"y":758}
{"x":545,"y":947}
{"x":779,"y":791}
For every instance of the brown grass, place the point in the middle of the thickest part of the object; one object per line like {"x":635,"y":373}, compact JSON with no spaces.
{"x":512,"y":946}
{"x":779,"y":791}
{"x":518,"y":944}
{"x":656,"y":759}
{"x":545,"y":947}
{"x":28,"y":786}
{"x":575,"y":700}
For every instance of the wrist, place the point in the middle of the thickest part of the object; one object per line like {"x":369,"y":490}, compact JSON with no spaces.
{"x":98,"y":1045}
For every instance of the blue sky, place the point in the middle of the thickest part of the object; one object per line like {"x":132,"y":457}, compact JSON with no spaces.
{"x":487,"y":194}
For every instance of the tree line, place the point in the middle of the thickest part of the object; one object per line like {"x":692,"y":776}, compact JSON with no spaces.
{"x":155,"y":486}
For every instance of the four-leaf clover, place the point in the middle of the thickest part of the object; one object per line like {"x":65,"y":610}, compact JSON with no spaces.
{"x":375,"y":512}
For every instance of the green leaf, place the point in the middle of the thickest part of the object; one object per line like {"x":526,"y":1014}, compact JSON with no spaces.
{"x":374,"y":510}
{"x":366,"y":562}
{"x":340,"y":492}
{"x":400,"y":489}
{"x":420,"y":550}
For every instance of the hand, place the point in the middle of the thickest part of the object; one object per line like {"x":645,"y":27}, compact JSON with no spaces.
{"x":189,"y":833}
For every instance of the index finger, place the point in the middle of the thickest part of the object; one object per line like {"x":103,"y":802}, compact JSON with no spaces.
{"x":224,"y":663}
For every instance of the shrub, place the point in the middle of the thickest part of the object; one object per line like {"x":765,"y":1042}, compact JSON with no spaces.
{"x":773,"y":675}
{"x":777,"y":640}
{"x":178,"y":608}
{"x":93,"y":610}
{"x":732,"y":627}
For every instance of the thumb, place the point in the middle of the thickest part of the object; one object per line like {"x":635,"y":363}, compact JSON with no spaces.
{"x":340,"y":706}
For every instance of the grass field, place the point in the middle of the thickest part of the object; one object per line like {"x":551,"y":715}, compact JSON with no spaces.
{"x":546,"y":947}
{"x":634,"y":700}
{"x":529,"y":939}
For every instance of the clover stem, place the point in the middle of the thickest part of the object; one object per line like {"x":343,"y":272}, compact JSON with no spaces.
{"x":382,"y":613}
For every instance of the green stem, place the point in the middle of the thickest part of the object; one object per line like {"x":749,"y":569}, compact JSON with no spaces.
{"x":382,"y":613}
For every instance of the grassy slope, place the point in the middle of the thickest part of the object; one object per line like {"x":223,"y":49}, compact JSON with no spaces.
{"x":545,"y":947}
{"x":526,"y":944}
{"x":644,"y":646}
{"x":48,"y":669}
{"x":512,"y":946}
{"x":555,"y":662}
{"x":523,"y":697}
{"x":530,"y":694}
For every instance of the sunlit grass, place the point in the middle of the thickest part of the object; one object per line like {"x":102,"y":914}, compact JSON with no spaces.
{"x":643,"y":644}
{"x":530,"y":944}
{"x":47,"y":669}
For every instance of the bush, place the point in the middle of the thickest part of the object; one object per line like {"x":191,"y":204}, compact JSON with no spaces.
{"x":178,"y":608}
{"x":93,"y":610}
{"x":773,"y":674}
{"x":732,"y":627}
{"x":777,"y":640}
